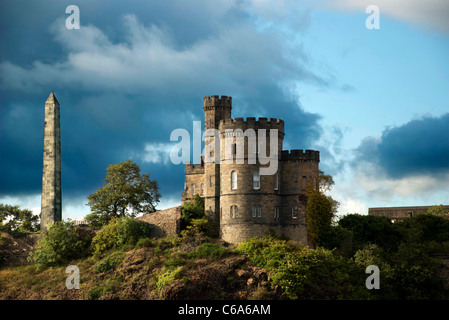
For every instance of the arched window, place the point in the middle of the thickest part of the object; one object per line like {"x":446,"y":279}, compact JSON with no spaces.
{"x":257,"y":212}
{"x":234,"y":211}
{"x":294,"y":212}
{"x":233,"y":180}
{"x":202,"y":189}
{"x":193,"y":189}
{"x":256,"y":179}
{"x":276,"y":213}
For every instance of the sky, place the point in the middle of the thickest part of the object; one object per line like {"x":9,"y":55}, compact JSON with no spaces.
{"x":373,"y":101}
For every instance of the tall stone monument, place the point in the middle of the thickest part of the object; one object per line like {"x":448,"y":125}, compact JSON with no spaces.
{"x":51,"y":210}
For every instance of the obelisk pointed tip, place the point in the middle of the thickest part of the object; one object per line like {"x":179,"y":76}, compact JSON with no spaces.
{"x":52,"y":98}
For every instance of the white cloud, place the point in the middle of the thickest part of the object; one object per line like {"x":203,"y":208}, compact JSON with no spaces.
{"x":157,"y":152}
{"x":367,"y":186}
{"x":430,"y":13}
{"x":379,"y":186}
{"x":148,"y":58}
{"x":31,"y":202}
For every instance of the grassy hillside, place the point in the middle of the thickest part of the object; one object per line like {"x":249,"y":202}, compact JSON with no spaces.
{"x":123,"y":261}
{"x":164,"y":268}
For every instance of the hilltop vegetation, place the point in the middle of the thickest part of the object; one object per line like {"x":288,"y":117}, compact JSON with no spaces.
{"x":192,"y":266}
{"x":123,"y":260}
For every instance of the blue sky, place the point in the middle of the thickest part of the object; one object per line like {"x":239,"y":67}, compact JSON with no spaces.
{"x":374,"y":102}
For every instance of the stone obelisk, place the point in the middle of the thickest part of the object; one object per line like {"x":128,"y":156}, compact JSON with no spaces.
{"x":51,"y":210}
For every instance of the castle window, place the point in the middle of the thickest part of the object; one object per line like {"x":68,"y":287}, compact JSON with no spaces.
{"x":257,"y":212}
{"x":210,"y":181}
{"x":202,"y":189}
{"x":276,"y":213}
{"x":193,"y":189}
{"x":256,"y":180}
{"x":233,"y":180}
{"x":294,"y":212}
{"x":234,"y":211}
{"x":276,"y":181}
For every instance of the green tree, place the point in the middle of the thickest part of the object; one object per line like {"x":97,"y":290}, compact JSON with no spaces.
{"x":16,"y":220}
{"x":371,"y":230}
{"x":320,"y":209}
{"x":125,"y":192}
{"x":438,"y":211}
{"x":193,"y":209}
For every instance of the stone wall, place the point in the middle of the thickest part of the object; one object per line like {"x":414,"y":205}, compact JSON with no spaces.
{"x":399,"y":213}
{"x":167,"y":221}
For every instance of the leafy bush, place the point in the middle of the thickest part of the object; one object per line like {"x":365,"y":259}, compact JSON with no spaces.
{"x":144,"y":243}
{"x":190,"y":210}
{"x":267,"y":251}
{"x":197,"y":229}
{"x":166,"y":276}
{"x":63,"y":242}
{"x":109,"y":263}
{"x":302,"y":273}
{"x":119,"y":232}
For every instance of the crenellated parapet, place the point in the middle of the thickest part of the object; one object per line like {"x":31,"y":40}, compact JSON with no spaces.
{"x":194,"y":168}
{"x":252,"y":123}
{"x":215,"y":101}
{"x":300,"y":155}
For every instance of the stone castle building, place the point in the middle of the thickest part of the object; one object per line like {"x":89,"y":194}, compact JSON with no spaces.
{"x":243,"y":202}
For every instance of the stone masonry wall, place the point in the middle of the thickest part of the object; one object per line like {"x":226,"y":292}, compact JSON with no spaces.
{"x":399,"y":213}
{"x":166,"y":221}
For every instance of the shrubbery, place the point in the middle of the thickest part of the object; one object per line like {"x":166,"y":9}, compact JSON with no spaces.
{"x":302,"y":273}
{"x":109,"y":263}
{"x":63,"y":242}
{"x":406,"y":253}
{"x":119,"y":232}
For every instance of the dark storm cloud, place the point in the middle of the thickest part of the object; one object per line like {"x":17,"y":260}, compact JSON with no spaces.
{"x":418,"y":147}
{"x":133,"y":73}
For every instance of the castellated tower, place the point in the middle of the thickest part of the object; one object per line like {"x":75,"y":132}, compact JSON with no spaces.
{"x":215,"y":110}
{"x":51,"y":209}
{"x":240,"y":200}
